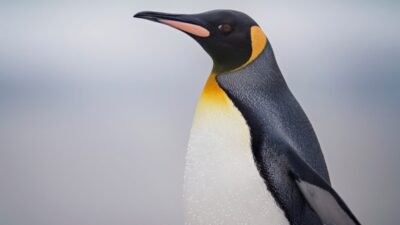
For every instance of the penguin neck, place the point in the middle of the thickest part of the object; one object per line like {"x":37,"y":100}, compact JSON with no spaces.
{"x":213,"y":96}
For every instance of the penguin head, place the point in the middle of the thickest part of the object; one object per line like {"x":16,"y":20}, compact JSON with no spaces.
{"x":231,"y":38}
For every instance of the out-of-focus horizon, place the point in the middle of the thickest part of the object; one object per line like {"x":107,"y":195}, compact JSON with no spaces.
{"x":96,"y":107}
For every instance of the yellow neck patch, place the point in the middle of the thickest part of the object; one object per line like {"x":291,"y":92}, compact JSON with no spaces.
{"x":212,"y":94}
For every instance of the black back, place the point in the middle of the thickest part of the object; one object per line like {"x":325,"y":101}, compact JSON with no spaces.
{"x":277,"y":124}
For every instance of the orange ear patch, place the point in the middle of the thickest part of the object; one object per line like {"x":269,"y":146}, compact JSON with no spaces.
{"x":258,"y":43}
{"x":187,"y":27}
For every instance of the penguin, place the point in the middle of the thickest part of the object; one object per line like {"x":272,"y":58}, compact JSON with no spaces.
{"x":253,"y":157}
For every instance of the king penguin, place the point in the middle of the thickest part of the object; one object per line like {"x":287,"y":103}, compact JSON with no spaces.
{"x":253,"y":157}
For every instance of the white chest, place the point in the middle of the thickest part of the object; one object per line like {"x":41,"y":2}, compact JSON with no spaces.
{"x":222,"y":184}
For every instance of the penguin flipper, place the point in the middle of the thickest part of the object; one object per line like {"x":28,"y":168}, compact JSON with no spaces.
{"x":327,"y":204}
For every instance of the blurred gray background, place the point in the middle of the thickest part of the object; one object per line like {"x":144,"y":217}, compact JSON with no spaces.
{"x":96,"y":107}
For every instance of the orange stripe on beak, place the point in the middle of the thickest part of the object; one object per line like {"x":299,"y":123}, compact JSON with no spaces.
{"x":187,"y":27}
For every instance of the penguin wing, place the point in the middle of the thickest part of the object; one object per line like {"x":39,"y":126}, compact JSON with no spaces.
{"x":319,"y":194}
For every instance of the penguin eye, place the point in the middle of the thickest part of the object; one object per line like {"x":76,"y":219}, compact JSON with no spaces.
{"x":225,"y":28}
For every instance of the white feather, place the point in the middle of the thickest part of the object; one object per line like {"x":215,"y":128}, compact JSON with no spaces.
{"x":222,"y":184}
{"x":324,"y":204}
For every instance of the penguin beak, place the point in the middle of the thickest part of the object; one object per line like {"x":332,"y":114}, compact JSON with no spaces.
{"x":186,"y":23}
